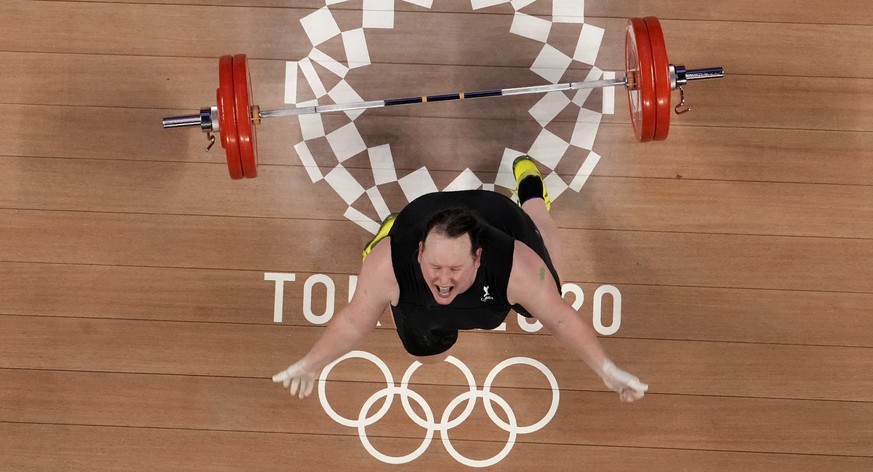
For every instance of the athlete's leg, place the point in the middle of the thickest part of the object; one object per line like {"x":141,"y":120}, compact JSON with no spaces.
{"x":536,"y":209}
{"x":535,"y":202}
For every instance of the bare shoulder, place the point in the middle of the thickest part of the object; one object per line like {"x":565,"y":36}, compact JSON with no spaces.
{"x":376,"y":281}
{"x":530,"y":277}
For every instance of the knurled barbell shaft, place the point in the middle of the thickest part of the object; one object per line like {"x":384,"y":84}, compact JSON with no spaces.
{"x":701,"y":74}
{"x":679,"y":76}
{"x":442,"y":98}
{"x":197,"y":120}
{"x":203,"y":118}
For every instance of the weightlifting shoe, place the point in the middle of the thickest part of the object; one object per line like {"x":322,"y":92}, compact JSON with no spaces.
{"x":522,"y":168}
{"x":387,"y":223}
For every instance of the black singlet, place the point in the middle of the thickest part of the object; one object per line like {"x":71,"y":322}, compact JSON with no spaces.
{"x":427,"y":328}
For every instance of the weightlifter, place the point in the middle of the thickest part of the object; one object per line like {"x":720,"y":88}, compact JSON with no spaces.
{"x":461,"y":260}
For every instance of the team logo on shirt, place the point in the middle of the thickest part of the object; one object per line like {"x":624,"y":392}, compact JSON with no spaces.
{"x":486,"y":296}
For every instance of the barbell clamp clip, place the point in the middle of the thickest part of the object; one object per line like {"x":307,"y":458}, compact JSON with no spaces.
{"x":681,"y":107}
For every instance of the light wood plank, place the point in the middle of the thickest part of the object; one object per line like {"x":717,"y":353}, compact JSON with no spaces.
{"x":133,"y":29}
{"x":186,"y":84}
{"x":617,"y":257}
{"x":803,"y":11}
{"x":854,"y":12}
{"x":671,"y":367}
{"x":122,"y":82}
{"x":152,"y":30}
{"x":169,"y":241}
{"x":747,"y":154}
{"x":230,"y":296}
{"x":217,"y":296}
{"x":125,"y":134}
{"x":148,"y":29}
{"x":86,"y":448}
{"x":605,"y":203}
{"x":724,"y":103}
{"x":157,"y":187}
{"x":660,"y":421}
{"x":764,"y":316}
{"x":720,"y":261}
{"x":756,"y":346}
{"x":719,"y":207}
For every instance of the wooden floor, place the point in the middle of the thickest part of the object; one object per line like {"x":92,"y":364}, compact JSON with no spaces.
{"x":139,"y":321}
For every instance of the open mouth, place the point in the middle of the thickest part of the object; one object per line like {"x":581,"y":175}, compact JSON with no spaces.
{"x":444,"y":291}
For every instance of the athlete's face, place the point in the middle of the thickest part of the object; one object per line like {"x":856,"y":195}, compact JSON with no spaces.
{"x":448,"y":265}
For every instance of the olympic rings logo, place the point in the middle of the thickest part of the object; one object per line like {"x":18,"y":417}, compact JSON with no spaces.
{"x":445,"y":424}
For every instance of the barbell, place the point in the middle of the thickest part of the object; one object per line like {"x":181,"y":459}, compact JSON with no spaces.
{"x":649,"y":80}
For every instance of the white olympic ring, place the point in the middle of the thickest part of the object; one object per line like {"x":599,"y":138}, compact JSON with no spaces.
{"x":511,"y":427}
{"x":446,"y":423}
{"x":389,"y":393}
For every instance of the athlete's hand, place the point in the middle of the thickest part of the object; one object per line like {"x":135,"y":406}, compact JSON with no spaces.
{"x":299,"y":377}
{"x":628,"y":386}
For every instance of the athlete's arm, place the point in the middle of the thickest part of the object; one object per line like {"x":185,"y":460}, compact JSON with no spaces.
{"x":376,"y":288}
{"x":531,"y":285}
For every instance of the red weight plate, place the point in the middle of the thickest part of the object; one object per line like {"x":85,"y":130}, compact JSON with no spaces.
{"x":663,"y":88}
{"x":227,"y":122}
{"x":242,"y":91}
{"x":641,"y":79}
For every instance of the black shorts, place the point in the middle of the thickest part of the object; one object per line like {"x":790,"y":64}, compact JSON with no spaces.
{"x":420,"y":342}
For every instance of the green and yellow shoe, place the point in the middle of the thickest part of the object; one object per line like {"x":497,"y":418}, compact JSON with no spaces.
{"x":387,"y":223}
{"x":522,"y":168}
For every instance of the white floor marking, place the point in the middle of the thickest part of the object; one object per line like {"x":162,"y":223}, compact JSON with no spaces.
{"x":568,"y":11}
{"x":382,"y":163}
{"x":344,"y":184}
{"x":378,"y":203}
{"x":417,"y":184}
{"x":609,"y":95}
{"x":308,"y":161}
{"x":291,"y":82}
{"x":355,"y":45}
{"x":378,"y":14}
{"x":586,"y":128}
{"x":344,"y":93}
{"x":551,"y":64}
{"x":589,"y":44}
{"x":346,"y":142}
{"x":312,"y":77}
{"x":531,"y":27}
{"x":320,"y":26}
{"x":548,"y":149}
{"x":328,"y":63}
{"x":549,"y":107}
{"x":585,"y":171}
{"x":467,"y":180}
